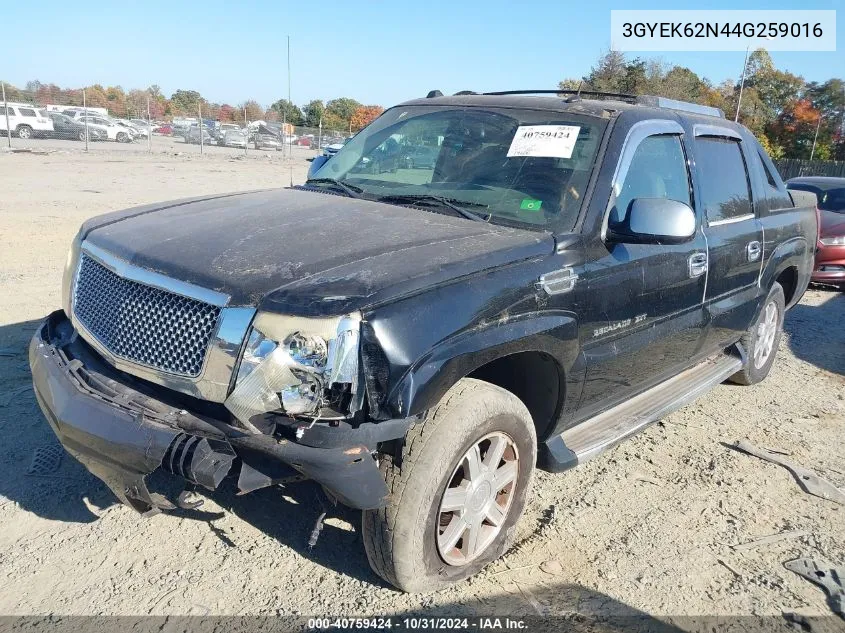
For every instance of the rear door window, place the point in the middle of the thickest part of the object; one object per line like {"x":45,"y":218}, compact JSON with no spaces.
{"x":725,"y":190}
{"x":27,"y":112}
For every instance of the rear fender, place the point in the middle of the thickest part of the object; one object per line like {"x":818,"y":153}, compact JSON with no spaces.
{"x":795,"y":253}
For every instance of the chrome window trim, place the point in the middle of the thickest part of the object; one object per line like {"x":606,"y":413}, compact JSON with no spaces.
{"x":703,"y":129}
{"x":223,"y":351}
{"x":739,"y":218}
{"x":640,"y":131}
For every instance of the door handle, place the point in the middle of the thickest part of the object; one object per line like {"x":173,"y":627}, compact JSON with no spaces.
{"x":697,"y":264}
{"x":753,"y":250}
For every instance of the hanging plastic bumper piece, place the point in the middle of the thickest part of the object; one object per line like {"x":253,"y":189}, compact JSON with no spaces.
{"x":122,"y":432}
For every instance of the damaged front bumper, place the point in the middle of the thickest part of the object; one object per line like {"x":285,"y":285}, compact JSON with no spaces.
{"x":122,"y":429}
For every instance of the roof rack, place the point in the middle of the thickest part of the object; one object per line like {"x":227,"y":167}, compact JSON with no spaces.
{"x":618,"y":96}
{"x":674,"y":104}
{"x":644,"y":100}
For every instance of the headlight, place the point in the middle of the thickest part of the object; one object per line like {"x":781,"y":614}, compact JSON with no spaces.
{"x":70,"y":272}
{"x":833,"y":241}
{"x":257,"y":348}
{"x":297,"y":366}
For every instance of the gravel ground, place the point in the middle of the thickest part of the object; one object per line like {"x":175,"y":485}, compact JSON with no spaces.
{"x":649,"y":527}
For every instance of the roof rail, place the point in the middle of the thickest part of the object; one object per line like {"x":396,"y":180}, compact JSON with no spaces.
{"x":618,"y":96}
{"x":644,"y":100}
{"x":674,"y":104}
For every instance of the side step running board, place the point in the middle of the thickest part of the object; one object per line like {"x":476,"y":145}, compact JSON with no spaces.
{"x":591,"y":437}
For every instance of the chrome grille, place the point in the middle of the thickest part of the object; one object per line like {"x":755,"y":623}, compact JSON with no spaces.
{"x":143,"y":324}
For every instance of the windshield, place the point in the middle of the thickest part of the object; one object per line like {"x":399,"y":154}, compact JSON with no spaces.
{"x":521,"y":167}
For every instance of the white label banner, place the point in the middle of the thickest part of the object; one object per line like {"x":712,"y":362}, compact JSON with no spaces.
{"x":723,"y":30}
{"x":544,"y":141}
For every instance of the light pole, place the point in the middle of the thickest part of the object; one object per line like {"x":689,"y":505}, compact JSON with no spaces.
{"x":816,"y":137}
{"x":742,"y":83}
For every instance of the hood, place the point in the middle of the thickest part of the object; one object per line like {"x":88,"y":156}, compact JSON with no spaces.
{"x":831,"y":223}
{"x":307,"y":252}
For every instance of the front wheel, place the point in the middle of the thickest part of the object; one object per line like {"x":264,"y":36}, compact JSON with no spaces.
{"x":761,"y":340}
{"x":122,"y":137}
{"x":458,"y":487}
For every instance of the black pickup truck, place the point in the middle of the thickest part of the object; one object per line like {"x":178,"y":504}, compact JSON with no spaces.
{"x":472,"y":287}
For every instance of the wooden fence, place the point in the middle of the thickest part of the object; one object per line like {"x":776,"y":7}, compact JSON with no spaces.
{"x":792,"y":167}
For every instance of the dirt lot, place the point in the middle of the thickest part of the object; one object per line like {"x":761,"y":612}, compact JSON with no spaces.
{"x":646,"y":528}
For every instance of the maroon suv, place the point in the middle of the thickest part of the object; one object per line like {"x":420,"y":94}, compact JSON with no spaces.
{"x":830,"y":254}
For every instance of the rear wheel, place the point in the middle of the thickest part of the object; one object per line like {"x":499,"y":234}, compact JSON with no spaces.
{"x":81,"y":136}
{"x":458,"y":488}
{"x":761,"y":340}
{"x":24,"y":132}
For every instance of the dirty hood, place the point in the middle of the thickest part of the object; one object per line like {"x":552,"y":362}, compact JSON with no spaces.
{"x":307,"y":252}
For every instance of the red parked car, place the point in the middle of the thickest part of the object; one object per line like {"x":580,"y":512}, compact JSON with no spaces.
{"x":164,"y":130}
{"x":830,"y":251}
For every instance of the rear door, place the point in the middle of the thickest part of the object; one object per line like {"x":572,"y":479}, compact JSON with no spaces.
{"x":733,"y":230}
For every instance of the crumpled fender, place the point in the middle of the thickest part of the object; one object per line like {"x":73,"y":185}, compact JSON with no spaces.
{"x":430,"y":377}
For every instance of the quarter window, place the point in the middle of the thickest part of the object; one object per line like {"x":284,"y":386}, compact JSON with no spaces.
{"x":658,"y":170}
{"x":725,"y":193}
{"x":769,"y":177}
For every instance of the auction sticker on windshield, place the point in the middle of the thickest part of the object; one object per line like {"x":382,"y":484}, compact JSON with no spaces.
{"x":544,"y":141}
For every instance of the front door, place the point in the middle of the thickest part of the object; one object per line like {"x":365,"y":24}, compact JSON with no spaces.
{"x":643,"y":314}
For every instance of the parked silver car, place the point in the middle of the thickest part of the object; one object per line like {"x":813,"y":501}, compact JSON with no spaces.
{"x":233,"y":138}
{"x":193,"y":135}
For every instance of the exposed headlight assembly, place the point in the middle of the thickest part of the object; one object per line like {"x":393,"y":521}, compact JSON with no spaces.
{"x":297,"y":366}
{"x":69,"y":273}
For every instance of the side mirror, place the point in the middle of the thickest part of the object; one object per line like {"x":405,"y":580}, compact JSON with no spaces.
{"x":318,"y":162}
{"x":655,"y":221}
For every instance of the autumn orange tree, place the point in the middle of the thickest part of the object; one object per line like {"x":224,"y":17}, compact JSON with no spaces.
{"x":795,"y":127}
{"x":364,"y":115}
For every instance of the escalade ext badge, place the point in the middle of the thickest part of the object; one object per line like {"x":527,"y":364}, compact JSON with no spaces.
{"x":558,"y":282}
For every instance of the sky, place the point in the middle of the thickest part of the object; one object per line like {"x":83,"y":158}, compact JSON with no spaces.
{"x":377,"y":52}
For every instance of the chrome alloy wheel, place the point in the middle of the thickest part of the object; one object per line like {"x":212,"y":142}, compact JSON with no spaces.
{"x":477,"y":499}
{"x":766,"y":330}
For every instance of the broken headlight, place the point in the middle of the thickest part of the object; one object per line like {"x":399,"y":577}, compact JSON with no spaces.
{"x":71,"y":263}
{"x":297,"y":366}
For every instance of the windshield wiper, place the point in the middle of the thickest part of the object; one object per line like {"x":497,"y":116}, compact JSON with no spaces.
{"x":350,"y":190}
{"x":449,"y":203}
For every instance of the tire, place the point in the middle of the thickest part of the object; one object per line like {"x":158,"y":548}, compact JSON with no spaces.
{"x":24,"y":132}
{"x":761,"y":340}
{"x":81,"y":136}
{"x":121,"y":137}
{"x":405,"y":540}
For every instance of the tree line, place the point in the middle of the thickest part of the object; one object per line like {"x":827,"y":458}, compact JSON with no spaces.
{"x":787,"y":114}
{"x":342,"y":114}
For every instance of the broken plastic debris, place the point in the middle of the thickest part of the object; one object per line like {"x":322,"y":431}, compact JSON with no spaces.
{"x":806,"y":478}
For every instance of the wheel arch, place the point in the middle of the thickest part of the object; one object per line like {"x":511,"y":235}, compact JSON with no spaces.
{"x":788,"y":266}
{"x":546,"y":345}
